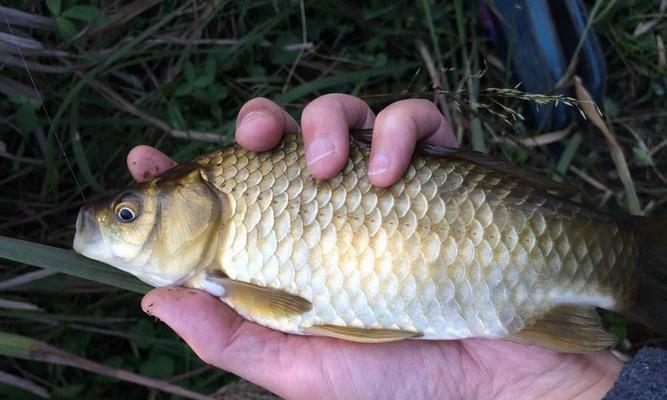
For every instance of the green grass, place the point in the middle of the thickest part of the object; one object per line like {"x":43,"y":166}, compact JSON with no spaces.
{"x":176,"y":72}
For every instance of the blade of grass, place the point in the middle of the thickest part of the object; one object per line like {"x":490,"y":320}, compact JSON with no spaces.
{"x":546,"y":138}
{"x":476,"y":132}
{"x":67,"y":262}
{"x":594,"y":14}
{"x":593,"y":114}
{"x":79,"y":152}
{"x":437,"y":76}
{"x":26,"y":348}
{"x":24,"y":384}
{"x":568,"y":154}
{"x":17,"y":305}
{"x":340,"y":79}
{"x":25,"y":278}
{"x":69,"y":318}
{"x":435,"y":79}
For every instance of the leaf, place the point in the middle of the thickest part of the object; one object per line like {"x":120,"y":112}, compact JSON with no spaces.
{"x":190,"y":72}
{"x":257,"y":71}
{"x":158,"y":366}
{"x":210,"y":67}
{"x":26,"y":118}
{"x":114,"y":361}
{"x":89,"y":14}
{"x":66,"y":28}
{"x":380,"y":60}
{"x":144,"y":331}
{"x":68,"y":262}
{"x":17,"y":98}
{"x":54,"y":6}
{"x":216,"y":111}
{"x":70,"y":391}
{"x":183,"y":89}
{"x":216,"y":92}
{"x":175,"y":116}
{"x":204,"y":81}
{"x":279,"y":55}
{"x":642,"y":157}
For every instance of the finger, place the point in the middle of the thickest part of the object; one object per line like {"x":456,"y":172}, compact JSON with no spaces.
{"x":222,"y":338}
{"x":261,"y":123}
{"x":396,"y":132}
{"x":145,"y":162}
{"x":326,"y":122}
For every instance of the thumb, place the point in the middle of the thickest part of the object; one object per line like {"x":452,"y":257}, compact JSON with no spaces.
{"x":222,"y":338}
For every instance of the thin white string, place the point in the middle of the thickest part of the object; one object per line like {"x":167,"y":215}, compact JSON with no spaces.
{"x":48,"y":117}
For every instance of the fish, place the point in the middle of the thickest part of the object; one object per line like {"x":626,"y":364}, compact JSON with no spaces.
{"x":463,"y":246}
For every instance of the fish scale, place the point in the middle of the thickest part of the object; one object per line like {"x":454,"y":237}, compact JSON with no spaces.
{"x":453,"y":250}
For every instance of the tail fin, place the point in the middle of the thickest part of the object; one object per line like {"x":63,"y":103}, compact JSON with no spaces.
{"x":651,"y":306}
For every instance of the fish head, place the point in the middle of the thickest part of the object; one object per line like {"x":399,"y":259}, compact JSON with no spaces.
{"x":163,"y":231}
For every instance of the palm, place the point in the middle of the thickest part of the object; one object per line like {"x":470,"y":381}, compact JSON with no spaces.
{"x":315,"y":367}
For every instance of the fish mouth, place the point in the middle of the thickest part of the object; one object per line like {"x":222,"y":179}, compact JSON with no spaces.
{"x":87,"y":232}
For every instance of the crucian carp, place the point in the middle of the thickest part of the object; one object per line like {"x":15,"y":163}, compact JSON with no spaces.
{"x":462,"y":246}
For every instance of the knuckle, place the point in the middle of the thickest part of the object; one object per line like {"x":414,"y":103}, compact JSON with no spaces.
{"x":260,"y":101}
{"x":396,"y":115}
{"x":258,"y":104}
{"x":326,"y":102}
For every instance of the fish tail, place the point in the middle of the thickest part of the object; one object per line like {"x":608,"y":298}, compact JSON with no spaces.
{"x":650,"y":305}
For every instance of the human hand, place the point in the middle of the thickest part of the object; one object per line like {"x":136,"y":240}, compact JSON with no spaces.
{"x":326,"y":121}
{"x":302,"y":367}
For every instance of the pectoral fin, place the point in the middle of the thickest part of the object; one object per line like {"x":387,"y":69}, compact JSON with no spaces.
{"x":360,"y":334}
{"x":260,"y":301}
{"x":567,"y":329}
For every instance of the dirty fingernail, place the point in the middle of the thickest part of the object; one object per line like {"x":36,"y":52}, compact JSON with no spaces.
{"x":318,"y":150}
{"x":378,"y":165}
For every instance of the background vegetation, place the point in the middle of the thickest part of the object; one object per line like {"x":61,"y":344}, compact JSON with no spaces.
{"x":173,"y":74}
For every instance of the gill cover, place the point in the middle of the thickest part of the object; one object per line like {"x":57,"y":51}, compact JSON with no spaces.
{"x":188,"y":209}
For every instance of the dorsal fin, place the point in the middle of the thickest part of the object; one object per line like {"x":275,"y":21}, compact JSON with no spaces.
{"x":362,"y":137}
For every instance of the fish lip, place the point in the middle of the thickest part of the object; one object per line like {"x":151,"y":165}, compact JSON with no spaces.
{"x":87,"y":231}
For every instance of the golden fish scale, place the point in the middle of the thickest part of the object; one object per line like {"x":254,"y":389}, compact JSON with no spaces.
{"x":452,"y":250}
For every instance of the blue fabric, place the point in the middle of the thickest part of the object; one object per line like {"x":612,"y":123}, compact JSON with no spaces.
{"x":645,"y":377}
{"x":540,"y":37}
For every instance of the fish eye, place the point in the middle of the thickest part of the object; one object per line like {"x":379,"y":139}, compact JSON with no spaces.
{"x":125,"y":213}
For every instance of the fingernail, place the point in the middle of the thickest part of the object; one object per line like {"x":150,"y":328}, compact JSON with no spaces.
{"x":378,"y":165}
{"x":251,"y":116}
{"x":318,"y":150}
